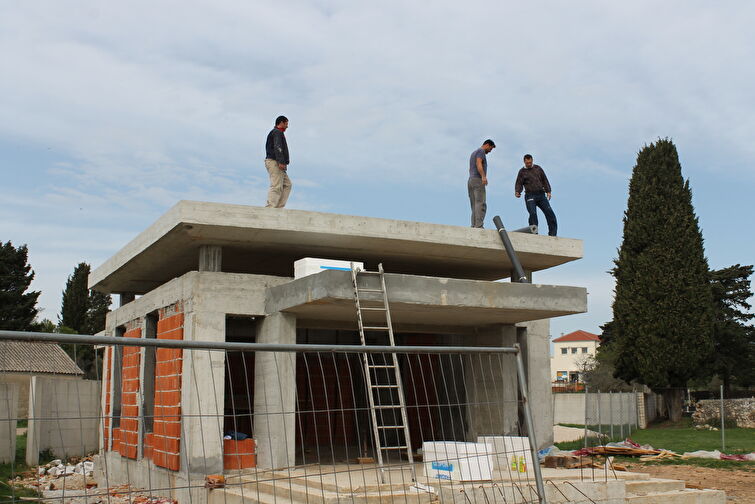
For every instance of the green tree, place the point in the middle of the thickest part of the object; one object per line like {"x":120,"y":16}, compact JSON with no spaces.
{"x":73,"y":311}
{"x":733,"y":338}
{"x":18,"y":308}
{"x":662,"y":328}
{"x":83,"y":311}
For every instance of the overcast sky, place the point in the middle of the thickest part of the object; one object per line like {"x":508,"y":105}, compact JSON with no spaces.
{"x":111,"y":112}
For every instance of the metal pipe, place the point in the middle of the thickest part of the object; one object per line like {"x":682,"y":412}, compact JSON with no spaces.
{"x":529,"y":423}
{"x":233,"y":346}
{"x":518,"y":270}
{"x":723,"y":435}
{"x":531,"y":229}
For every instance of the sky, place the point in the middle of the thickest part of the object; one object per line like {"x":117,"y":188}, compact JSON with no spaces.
{"x":111,"y":112}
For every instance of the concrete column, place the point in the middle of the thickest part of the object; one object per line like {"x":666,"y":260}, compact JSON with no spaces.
{"x":203,"y":396}
{"x":491,"y":384}
{"x":210,"y":258}
{"x":8,"y":421}
{"x":534,"y":338}
{"x":275,"y":394}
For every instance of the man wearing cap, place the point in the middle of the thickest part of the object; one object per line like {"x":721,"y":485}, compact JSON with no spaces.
{"x":478,"y":179}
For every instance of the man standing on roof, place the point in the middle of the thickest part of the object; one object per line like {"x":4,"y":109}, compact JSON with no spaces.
{"x":478,"y":179}
{"x":276,"y":163}
{"x":537,"y":193}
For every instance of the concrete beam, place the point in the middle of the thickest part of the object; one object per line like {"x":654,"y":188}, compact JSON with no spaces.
{"x":428,"y":301}
{"x":267,"y":241}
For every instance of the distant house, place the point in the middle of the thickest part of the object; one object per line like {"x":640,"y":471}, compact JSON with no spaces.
{"x":19,"y":361}
{"x":569,"y":353}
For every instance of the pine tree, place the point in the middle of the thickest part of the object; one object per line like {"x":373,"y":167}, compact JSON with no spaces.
{"x":73,"y":312}
{"x":733,"y":338}
{"x":83,"y":312}
{"x":18,"y":308}
{"x":662,"y":311}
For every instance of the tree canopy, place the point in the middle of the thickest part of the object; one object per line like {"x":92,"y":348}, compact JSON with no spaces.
{"x":18,"y":305}
{"x":662,"y":328}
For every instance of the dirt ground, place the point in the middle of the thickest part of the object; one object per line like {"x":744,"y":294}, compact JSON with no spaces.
{"x":738,"y":485}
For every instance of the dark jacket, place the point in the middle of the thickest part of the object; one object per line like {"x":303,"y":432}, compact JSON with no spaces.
{"x":533,"y":180}
{"x":276,"y":146}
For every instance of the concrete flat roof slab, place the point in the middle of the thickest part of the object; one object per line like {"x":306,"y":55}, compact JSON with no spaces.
{"x":426,"y":301}
{"x":267,"y":241}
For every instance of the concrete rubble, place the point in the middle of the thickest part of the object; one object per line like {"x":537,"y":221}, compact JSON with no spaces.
{"x":72,"y":482}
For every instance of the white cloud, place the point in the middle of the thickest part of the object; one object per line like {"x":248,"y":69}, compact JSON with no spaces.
{"x":146,"y":103}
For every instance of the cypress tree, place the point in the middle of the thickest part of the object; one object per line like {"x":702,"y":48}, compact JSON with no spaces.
{"x":73,"y":312}
{"x":97,"y":308}
{"x":18,"y":308}
{"x":663,"y":308}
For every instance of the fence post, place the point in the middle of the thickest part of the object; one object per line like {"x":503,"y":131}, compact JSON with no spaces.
{"x":530,"y":424}
{"x":610,"y":410}
{"x":723,"y":435}
{"x":587,"y":396}
{"x":600,"y":425}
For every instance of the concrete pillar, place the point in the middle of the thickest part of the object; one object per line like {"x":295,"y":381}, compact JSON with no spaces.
{"x":491,"y":384}
{"x":210,"y":258}
{"x":534,"y":338}
{"x":8,"y":421}
{"x":275,"y":394}
{"x":203,"y":396}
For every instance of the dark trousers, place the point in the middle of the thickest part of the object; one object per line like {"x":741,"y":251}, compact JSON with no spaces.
{"x":535,"y":200}
{"x":476,"y":191}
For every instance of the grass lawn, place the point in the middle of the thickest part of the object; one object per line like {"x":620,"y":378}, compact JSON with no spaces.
{"x":681,"y":437}
{"x":10,"y":493}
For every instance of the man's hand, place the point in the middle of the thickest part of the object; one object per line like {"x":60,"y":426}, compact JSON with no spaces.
{"x":282,"y":166}
{"x":517,"y":194}
{"x":484,"y":180}
{"x":549,"y":195}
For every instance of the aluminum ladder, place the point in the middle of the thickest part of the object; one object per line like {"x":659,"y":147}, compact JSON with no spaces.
{"x":385,"y":391}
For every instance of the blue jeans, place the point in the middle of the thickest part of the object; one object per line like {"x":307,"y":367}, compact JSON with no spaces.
{"x":535,"y":200}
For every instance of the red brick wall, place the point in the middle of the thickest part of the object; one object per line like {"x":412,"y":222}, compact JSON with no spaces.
{"x":166,"y":437}
{"x":129,"y":428}
{"x":106,"y":388}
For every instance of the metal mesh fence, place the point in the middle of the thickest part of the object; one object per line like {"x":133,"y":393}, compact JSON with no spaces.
{"x":170,"y":421}
{"x":610,"y":416}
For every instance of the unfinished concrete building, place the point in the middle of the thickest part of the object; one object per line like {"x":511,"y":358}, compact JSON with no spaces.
{"x":218,"y":272}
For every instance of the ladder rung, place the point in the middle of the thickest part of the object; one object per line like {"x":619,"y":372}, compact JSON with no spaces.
{"x":384,"y":386}
{"x":390,"y":426}
{"x":381,"y":366}
{"x":387,"y":407}
{"x":375,"y":328}
{"x":372,"y":308}
{"x":361,"y":289}
{"x":363,"y":272}
{"x":394,"y":447}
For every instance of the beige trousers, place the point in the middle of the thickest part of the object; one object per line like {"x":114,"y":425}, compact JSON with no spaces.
{"x":280,"y":185}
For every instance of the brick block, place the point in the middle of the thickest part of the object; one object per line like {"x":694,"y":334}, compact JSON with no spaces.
{"x":170,"y":323}
{"x":168,"y":460}
{"x":168,"y":354}
{"x":166,"y":444}
{"x":167,"y":398}
{"x":129,"y":410}
{"x":133,"y":333}
{"x":170,"y":429}
{"x":168,"y":413}
{"x":127,"y":450}
{"x":171,"y":367}
{"x":130,"y":437}
{"x":168,"y":383}
{"x":239,"y":454}
{"x":129,"y":424}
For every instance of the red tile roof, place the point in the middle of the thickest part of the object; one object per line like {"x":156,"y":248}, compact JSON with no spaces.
{"x":577,"y":336}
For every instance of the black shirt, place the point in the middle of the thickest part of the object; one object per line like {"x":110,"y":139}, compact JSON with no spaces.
{"x":276,"y":147}
{"x":532,"y":179}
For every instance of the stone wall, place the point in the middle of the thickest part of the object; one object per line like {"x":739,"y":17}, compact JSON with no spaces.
{"x":741,"y":411}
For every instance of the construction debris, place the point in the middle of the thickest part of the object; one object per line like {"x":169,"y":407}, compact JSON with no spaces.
{"x":214,"y":481}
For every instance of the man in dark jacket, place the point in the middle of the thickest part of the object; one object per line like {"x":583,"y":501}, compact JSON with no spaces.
{"x":276,"y":163}
{"x":537,"y":193}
